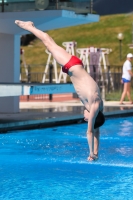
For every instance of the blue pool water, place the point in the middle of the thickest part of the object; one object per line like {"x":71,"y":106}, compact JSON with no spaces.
{"x":51,"y":163}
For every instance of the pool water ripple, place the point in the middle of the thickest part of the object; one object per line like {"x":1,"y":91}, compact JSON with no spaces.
{"x":51,"y":163}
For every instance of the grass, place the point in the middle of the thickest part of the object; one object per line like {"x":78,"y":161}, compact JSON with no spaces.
{"x":102,"y":34}
{"x":115,"y":96}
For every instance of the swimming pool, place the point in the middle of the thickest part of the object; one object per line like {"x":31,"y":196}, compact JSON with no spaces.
{"x":51,"y":163}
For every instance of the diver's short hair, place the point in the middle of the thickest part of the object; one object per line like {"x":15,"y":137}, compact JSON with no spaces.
{"x":100,"y":119}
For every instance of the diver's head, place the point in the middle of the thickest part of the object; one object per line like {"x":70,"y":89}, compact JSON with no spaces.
{"x":100,"y":119}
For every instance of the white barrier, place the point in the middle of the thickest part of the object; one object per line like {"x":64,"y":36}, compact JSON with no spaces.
{"x":17,"y":89}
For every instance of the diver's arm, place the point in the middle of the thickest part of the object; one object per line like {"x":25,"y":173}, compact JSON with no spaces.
{"x":91,"y":121}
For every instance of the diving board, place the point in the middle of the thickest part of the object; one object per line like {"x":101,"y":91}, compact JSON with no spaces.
{"x":18,"y":89}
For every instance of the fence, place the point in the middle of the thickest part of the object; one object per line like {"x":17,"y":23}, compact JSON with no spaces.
{"x":112,"y":73}
{"x":109,"y":79}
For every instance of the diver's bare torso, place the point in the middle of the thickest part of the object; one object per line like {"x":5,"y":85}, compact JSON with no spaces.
{"x":85,"y":87}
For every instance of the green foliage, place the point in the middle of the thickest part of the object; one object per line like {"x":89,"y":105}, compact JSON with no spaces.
{"x":102,"y":34}
{"x":115,"y":96}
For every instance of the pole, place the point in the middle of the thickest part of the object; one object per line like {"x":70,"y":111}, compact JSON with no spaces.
{"x":108,"y":78}
{"x":132,"y":32}
{"x":120,"y":50}
{"x":57,"y":4}
{"x":91,"y":6}
{"x":28,"y":80}
{"x":29,"y":74}
{"x":2,"y":4}
{"x":50,"y":79}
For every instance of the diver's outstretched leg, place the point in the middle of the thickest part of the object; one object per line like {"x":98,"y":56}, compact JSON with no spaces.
{"x":59,"y":54}
{"x":25,"y":25}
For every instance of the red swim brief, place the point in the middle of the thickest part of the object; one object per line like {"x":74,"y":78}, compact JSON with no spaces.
{"x":73,"y":61}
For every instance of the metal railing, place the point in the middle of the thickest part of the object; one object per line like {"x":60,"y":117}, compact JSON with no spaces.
{"x":109,"y":81}
{"x":110,"y":77}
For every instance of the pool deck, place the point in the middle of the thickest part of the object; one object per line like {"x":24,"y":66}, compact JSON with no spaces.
{"x":47,"y":114}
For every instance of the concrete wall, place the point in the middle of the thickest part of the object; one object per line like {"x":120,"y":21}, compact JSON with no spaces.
{"x":9,"y":69}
